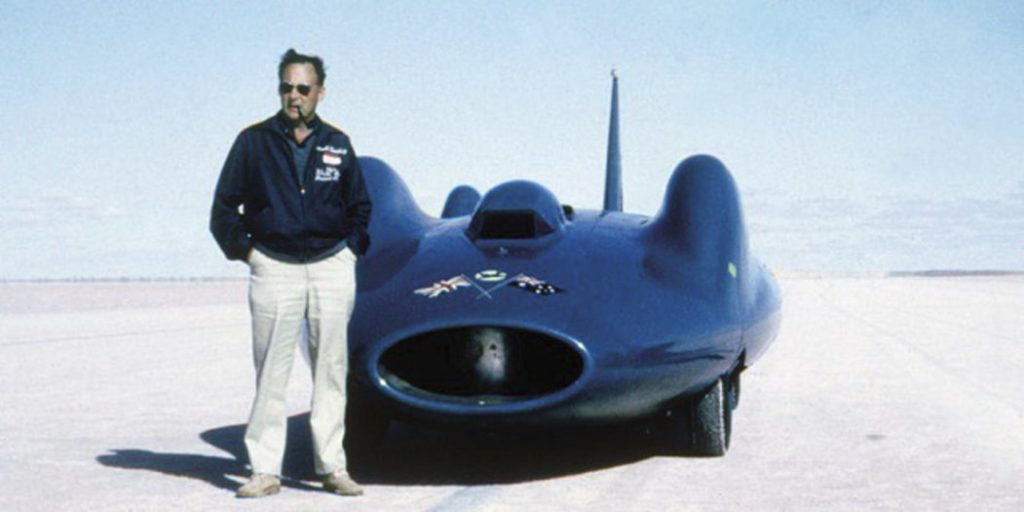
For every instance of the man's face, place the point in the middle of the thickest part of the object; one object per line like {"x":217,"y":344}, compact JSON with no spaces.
{"x":296,"y":79}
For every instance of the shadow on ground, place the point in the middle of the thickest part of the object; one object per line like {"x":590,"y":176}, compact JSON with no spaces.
{"x":218,"y":471}
{"x":410,"y":456}
{"x":415,"y":456}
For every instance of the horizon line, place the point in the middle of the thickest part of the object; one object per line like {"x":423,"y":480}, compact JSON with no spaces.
{"x":781,"y":273}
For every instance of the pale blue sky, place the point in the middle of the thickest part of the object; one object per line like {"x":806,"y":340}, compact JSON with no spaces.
{"x":865,"y":135}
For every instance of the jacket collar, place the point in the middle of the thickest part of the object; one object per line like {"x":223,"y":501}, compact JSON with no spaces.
{"x":279,"y":124}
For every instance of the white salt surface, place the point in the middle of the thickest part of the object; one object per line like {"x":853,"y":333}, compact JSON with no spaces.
{"x":880,"y":394}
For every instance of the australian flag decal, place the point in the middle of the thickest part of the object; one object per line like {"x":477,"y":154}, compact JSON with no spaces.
{"x":534,"y":285}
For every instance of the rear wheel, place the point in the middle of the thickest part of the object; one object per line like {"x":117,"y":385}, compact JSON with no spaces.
{"x":702,"y":426}
{"x":733,"y":389}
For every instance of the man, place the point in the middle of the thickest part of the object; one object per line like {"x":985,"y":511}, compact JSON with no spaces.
{"x":291,"y":202}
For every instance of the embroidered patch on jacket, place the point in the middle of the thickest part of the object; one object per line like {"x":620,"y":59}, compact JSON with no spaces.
{"x":332,"y":158}
{"x":332,"y":149}
{"x":327,"y":174}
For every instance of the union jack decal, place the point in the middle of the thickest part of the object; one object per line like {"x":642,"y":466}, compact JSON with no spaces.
{"x":444,"y":286}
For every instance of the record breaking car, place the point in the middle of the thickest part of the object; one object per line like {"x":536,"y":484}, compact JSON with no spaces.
{"x":512,"y":310}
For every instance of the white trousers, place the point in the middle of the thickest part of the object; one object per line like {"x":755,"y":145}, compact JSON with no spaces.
{"x":283,"y":296}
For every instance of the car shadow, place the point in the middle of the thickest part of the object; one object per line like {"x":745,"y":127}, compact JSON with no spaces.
{"x":417,"y":456}
{"x":411,"y":456}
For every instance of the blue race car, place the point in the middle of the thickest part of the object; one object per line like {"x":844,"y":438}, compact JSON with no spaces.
{"x":512,"y":310}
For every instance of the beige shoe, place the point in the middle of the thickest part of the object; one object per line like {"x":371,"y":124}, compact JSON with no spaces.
{"x":339,"y":482}
{"x":261,"y":484}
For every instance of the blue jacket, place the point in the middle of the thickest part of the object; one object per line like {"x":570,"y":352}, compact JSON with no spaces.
{"x":260,"y":200}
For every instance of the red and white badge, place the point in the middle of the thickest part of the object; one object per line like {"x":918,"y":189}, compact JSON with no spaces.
{"x":332,"y":158}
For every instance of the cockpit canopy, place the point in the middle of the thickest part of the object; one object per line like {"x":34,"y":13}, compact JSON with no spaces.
{"x":516,"y":210}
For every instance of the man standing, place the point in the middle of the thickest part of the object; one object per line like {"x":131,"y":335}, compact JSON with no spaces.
{"x":291,"y":202}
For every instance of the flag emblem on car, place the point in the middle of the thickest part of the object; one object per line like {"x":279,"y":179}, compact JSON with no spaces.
{"x":493,"y":281}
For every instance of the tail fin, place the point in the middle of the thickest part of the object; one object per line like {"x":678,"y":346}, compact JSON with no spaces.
{"x":613,"y":168}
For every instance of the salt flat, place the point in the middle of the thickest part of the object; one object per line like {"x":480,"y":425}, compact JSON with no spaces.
{"x":880,"y":394}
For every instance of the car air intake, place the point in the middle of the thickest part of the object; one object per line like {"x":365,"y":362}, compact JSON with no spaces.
{"x":512,"y":224}
{"x":470,"y":364}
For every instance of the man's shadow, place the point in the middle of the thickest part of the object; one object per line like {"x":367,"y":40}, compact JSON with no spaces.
{"x":410,"y":456}
{"x":297,"y":466}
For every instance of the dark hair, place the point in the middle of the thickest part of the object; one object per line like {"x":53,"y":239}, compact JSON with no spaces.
{"x":293,"y":57}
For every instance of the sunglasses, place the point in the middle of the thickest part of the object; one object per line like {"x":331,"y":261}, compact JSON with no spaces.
{"x":285,"y":88}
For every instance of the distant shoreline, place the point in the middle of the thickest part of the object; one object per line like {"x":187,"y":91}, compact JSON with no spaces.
{"x":793,"y":274}
{"x":954,"y":273}
{"x":62,"y":280}
{"x":798,"y":274}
